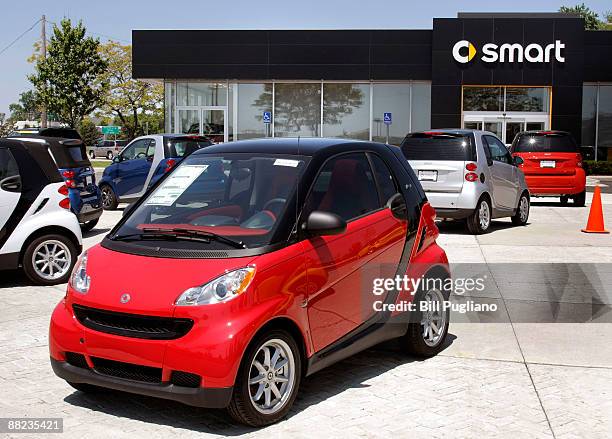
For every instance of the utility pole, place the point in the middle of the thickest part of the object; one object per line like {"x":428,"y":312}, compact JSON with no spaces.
{"x":43,"y":49}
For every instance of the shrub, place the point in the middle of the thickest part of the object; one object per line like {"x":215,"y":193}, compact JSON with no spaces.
{"x":592,"y":167}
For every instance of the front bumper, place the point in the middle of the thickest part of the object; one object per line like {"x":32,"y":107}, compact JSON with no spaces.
{"x":208,"y":397}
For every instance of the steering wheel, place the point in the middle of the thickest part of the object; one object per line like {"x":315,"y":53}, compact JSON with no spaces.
{"x":273,"y":201}
{"x":141,"y":155}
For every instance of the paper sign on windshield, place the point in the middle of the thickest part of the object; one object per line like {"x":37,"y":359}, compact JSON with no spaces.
{"x":175,"y":185}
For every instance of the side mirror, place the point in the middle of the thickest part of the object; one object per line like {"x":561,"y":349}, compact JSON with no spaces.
{"x":321,"y":223}
{"x":128,"y":209}
{"x":11,"y":184}
{"x":518,"y":160}
{"x":398,"y":206}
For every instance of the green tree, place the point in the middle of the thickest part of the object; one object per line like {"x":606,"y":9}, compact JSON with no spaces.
{"x":130,"y":100}
{"x":89,"y":132}
{"x":67,"y":81}
{"x":591,"y":19}
{"x":27,"y":108}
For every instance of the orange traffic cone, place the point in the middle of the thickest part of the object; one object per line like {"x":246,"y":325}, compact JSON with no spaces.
{"x":596,"y":219}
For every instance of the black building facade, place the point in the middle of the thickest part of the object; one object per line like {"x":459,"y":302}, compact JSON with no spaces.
{"x":500,"y":72}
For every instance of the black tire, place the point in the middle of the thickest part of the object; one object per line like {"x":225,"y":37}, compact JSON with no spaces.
{"x":109,"y":199}
{"x":580,"y":199}
{"x":564,"y":200}
{"x":414,"y":340}
{"x":92,"y":155}
{"x":87,"y":388}
{"x":28,"y":265}
{"x":473,"y":222}
{"x":109,"y":155}
{"x":518,"y":219}
{"x":241,"y":407}
{"x":89,"y":225}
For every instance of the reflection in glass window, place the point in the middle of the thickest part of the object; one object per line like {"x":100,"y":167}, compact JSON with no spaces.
{"x":169,"y":97}
{"x":483,"y":99}
{"x":297,"y":110}
{"x":589,"y":110}
{"x":394,"y":99}
{"x":201,"y":94}
{"x":534,"y":99}
{"x":346,"y":110}
{"x":253,"y":100}
{"x":604,"y":124}
{"x":421,"y":106}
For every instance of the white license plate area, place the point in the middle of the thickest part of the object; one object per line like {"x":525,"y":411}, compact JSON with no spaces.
{"x":428,"y":175}
{"x":548,"y":164}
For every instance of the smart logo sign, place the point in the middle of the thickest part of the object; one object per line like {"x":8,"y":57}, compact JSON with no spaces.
{"x":464,"y":52}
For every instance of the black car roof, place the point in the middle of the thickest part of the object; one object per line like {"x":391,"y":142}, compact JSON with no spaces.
{"x":36,"y":151}
{"x":309,"y":146}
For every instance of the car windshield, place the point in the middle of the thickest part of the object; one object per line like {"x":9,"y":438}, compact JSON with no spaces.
{"x":539,"y":142}
{"x":220,"y":202}
{"x":438,"y":146}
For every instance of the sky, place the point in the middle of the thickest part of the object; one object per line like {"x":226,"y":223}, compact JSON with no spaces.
{"x":116,"y":19}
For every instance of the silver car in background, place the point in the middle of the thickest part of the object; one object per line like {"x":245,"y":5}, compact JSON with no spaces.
{"x":468,"y":174}
{"x":106,"y":148}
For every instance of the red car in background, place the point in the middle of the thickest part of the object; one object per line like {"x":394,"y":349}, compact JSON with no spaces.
{"x":552,"y":165}
{"x":228,"y":298}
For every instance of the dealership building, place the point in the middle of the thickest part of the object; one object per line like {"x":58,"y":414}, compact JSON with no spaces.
{"x":502,"y":72}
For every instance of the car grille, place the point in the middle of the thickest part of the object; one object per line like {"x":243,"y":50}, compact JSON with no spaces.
{"x":127,"y":371}
{"x":76,"y":360}
{"x":185,"y":379}
{"x":132,"y":325}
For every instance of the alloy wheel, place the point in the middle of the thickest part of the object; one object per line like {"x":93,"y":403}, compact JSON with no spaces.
{"x":107,"y":197}
{"x":523,"y":209}
{"x":484,"y":215}
{"x":51,"y":259}
{"x":272,"y":376}
{"x":433,"y":321}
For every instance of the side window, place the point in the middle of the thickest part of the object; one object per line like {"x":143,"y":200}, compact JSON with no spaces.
{"x":386,"y":183}
{"x":151,"y":148}
{"x":8,"y":164}
{"x":139,"y":147}
{"x":498,"y":150}
{"x":345,"y":186}
{"x":487,"y":150}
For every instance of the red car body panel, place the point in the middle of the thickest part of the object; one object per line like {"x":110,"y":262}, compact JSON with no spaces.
{"x":566,"y":178}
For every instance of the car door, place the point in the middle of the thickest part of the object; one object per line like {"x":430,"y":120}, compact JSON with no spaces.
{"x":503,"y":173}
{"x":10,"y":186}
{"x":337,"y":269}
{"x":132,"y":168}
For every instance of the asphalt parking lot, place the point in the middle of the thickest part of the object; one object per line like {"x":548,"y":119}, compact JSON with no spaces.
{"x":504,"y":379}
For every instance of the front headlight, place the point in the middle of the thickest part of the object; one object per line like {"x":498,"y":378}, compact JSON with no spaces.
{"x":218,"y":290}
{"x":79,"y":280}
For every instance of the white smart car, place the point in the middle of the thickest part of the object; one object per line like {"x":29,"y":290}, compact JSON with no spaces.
{"x":38,"y":232}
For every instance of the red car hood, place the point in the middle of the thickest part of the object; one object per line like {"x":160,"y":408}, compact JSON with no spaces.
{"x":153,"y":284}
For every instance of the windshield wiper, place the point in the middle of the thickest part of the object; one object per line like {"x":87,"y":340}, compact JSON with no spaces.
{"x":178,"y":233}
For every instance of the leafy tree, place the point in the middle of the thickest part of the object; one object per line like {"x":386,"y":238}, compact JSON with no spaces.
{"x":591,"y":19}
{"x":130,"y":100}
{"x":27,"y":108}
{"x":89,"y":132}
{"x":67,"y":81}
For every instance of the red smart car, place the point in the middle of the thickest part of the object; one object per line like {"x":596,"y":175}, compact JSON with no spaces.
{"x":227,"y":298}
{"x":552,"y":165}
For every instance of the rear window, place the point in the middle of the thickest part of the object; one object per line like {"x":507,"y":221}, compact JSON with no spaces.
{"x":76,"y":153}
{"x":544,"y":143}
{"x":182,"y":146}
{"x":441,"y":146}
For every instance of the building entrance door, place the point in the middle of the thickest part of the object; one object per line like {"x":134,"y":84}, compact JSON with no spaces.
{"x":505,"y":126}
{"x":205,"y":121}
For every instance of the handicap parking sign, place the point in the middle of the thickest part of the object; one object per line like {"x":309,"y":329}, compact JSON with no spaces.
{"x":267,"y":117}
{"x":387,"y":118}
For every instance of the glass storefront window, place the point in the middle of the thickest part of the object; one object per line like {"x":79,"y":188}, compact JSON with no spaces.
{"x":483,"y":99}
{"x":201,"y":94}
{"x":604,"y":123}
{"x":589,"y":113}
{"x":253,"y":100}
{"x":297,"y":109}
{"x":346,"y":110}
{"x":169,"y":97}
{"x":532,"y":99}
{"x":394,"y":99}
{"x":420,"y":107}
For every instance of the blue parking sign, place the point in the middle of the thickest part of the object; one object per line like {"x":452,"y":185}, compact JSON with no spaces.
{"x":387,"y":118}
{"x":267,"y":117}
